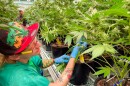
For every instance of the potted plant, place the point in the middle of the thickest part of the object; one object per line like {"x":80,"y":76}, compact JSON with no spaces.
{"x":103,"y":23}
{"x":121,"y":63}
{"x":120,"y":72}
{"x":54,"y":17}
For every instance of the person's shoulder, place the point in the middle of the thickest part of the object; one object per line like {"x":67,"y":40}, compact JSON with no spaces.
{"x":31,"y":79}
{"x":23,"y":76}
{"x":36,"y":57}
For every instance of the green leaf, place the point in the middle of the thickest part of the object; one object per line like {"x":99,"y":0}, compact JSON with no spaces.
{"x":68,"y":40}
{"x":124,"y":57}
{"x":88,"y":50}
{"x":103,"y":70}
{"x":75,"y":33}
{"x":109,"y":48}
{"x":60,"y":67}
{"x":70,"y":49}
{"x":97,"y":51}
{"x":121,"y":12}
{"x":120,"y":62}
{"x":79,"y":37}
{"x":4,"y":26}
{"x":85,"y":35}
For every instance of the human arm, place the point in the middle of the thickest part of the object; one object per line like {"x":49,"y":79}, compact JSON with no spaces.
{"x":44,"y":63}
{"x":64,"y":58}
{"x":37,"y":61}
{"x":67,"y":73}
{"x":58,"y":60}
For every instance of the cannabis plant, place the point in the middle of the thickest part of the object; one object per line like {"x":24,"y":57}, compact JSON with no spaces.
{"x":8,"y":11}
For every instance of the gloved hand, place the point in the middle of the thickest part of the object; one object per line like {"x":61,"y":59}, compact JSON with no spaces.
{"x":62,"y":59}
{"x":76,"y":49}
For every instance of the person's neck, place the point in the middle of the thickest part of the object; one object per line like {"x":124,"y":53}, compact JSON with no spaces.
{"x":23,"y":60}
{"x":7,"y":60}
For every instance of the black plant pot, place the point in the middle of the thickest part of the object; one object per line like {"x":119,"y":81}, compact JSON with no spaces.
{"x":48,"y":47}
{"x":100,"y":81}
{"x":43,"y":42}
{"x":122,"y":50}
{"x":80,"y":74}
{"x":98,"y":63}
{"x":58,"y":50}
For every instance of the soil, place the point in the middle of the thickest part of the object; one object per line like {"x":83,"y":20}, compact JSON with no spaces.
{"x":101,"y":82}
{"x":58,"y":46}
{"x":58,"y":50}
{"x":111,"y":82}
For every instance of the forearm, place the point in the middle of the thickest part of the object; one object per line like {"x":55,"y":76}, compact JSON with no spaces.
{"x":66,"y":75}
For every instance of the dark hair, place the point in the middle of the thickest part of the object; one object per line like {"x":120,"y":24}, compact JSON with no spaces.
{"x":6,"y":49}
{"x":20,"y":10}
{"x":24,"y":22}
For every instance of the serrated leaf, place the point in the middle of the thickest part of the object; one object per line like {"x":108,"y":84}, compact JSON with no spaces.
{"x":120,"y":63}
{"x":70,"y":49}
{"x":68,"y":40}
{"x":124,"y":57}
{"x":109,"y":48}
{"x":74,"y":33}
{"x":103,"y":70}
{"x":85,"y":35}
{"x":88,"y":50}
{"x":116,"y":11}
{"x":3,"y":26}
{"x":97,"y":51}
{"x":60,"y":67}
{"x":79,"y":37}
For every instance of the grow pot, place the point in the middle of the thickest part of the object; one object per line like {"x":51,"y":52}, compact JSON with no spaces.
{"x":80,"y":74}
{"x":58,"y":50}
{"x":112,"y":81}
{"x":99,"y":63}
{"x":48,"y":46}
{"x":124,"y":50}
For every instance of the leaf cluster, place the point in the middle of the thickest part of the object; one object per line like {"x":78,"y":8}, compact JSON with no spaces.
{"x":104,"y":24}
{"x":8,"y":11}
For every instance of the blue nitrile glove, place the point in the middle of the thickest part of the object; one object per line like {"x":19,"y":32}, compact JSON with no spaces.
{"x":62,"y":59}
{"x":76,"y":49}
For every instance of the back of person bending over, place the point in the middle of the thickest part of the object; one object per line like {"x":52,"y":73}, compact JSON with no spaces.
{"x":17,"y":46}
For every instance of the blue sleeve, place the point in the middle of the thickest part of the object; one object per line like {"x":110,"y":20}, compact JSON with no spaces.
{"x":37,"y":60}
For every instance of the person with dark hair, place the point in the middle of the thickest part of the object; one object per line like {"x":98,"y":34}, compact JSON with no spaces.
{"x":19,"y":49}
{"x":21,"y":18}
{"x":21,"y":14}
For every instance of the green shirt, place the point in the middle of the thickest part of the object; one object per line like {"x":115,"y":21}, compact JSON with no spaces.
{"x":36,"y":62}
{"x":20,"y":74}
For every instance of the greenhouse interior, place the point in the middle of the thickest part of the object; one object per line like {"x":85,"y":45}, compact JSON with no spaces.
{"x":64,"y":42}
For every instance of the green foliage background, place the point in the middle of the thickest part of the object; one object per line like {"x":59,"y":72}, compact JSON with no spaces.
{"x":104,"y":23}
{"x":8,"y":11}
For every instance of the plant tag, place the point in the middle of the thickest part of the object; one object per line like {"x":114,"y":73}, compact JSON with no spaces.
{"x":81,"y":58}
{"x":58,"y":41}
